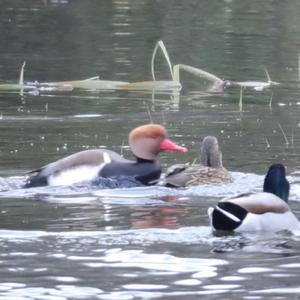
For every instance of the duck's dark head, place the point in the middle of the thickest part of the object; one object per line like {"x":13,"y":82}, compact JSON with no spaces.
{"x":210,"y":154}
{"x":148,"y":140}
{"x":276,"y":182}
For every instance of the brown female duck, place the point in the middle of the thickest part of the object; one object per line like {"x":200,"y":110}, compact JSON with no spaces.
{"x":209,"y":171}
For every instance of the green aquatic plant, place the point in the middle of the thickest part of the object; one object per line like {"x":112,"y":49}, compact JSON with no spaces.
{"x":284,"y":135}
{"x":95,"y":83}
{"x":20,"y":87}
{"x":241,"y":100}
{"x":175,"y":70}
{"x":160,"y":45}
{"x":173,"y":85}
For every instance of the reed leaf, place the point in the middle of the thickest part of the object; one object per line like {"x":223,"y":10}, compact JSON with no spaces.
{"x":156,"y":85}
{"x":21,"y":79}
{"x":10,"y":87}
{"x":176,"y":73}
{"x":268,"y":75}
{"x":89,"y":84}
{"x":160,"y":44}
{"x":284,"y":135}
{"x":201,"y":73}
{"x":241,"y":100}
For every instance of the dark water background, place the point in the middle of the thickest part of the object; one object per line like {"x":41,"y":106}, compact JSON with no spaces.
{"x":64,"y":243}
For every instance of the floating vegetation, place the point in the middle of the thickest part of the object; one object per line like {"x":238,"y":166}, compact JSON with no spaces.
{"x":217,"y":83}
{"x":172,"y":85}
{"x":95,"y":83}
{"x":17,"y":87}
{"x":255,"y":85}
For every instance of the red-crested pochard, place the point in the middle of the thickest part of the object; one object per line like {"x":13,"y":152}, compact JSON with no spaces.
{"x":145,"y":141}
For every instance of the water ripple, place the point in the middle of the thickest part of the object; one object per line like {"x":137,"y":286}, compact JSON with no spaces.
{"x":11,"y":187}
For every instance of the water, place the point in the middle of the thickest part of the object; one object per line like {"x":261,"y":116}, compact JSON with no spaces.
{"x":146,"y":242}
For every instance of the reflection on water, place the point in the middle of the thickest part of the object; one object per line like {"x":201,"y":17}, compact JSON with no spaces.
{"x":146,"y":242}
{"x":150,"y":242}
{"x":166,"y":217}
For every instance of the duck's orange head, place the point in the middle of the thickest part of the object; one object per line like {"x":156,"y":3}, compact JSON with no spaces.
{"x":147,"y":141}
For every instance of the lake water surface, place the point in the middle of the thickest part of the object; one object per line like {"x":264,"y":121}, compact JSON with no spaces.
{"x":146,"y":242}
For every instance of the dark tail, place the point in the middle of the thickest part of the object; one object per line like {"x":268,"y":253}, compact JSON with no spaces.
{"x":228,"y":216}
{"x":36,"y":181}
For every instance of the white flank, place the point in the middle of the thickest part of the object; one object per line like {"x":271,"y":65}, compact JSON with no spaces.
{"x":106,"y":158}
{"x":75,"y":175}
{"x":79,"y":174}
{"x":270,"y":222}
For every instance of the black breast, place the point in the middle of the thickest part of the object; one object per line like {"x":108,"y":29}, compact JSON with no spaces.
{"x":145,"y":171}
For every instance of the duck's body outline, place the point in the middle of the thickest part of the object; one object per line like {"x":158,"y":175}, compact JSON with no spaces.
{"x":209,"y":171}
{"x":146,"y":142}
{"x":263,"y":211}
{"x":86,"y":163}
